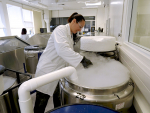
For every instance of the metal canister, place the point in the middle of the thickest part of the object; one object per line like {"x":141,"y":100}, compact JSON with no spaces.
{"x":2,"y":69}
{"x":32,"y":55}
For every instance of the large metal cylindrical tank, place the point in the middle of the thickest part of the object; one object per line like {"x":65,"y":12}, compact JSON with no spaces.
{"x":32,"y":55}
{"x":108,"y":84}
{"x":5,"y":99}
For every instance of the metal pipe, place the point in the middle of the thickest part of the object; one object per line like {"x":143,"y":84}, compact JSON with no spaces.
{"x":25,"y":101}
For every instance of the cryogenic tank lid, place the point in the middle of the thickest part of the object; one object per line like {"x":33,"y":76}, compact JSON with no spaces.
{"x":82,"y":108}
{"x":34,"y":47}
{"x":2,"y":69}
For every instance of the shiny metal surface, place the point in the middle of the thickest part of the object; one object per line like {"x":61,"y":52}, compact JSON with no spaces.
{"x":111,"y":100}
{"x":31,"y":59}
{"x":13,"y":59}
{"x":39,"y":39}
{"x":11,"y":43}
{"x":95,"y":91}
{"x":5,"y":106}
{"x":12,"y":52}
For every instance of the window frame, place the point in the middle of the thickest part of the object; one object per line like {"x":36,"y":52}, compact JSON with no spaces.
{"x":139,"y":52}
{"x":135,"y":58}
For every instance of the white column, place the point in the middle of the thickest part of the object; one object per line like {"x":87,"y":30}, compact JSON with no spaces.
{"x":47,"y":24}
{"x":5,"y":17}
{"x":42,"y":18}
{"x":47,"y":19}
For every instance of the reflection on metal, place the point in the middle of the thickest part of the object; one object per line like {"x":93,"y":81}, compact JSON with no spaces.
{"x":9,"y":97}
{"x":5,"y":104}
{"x":12,"y":52}
{"x":11,"y":43}
{"x":32,"y":55}
{"x":39,"y":39}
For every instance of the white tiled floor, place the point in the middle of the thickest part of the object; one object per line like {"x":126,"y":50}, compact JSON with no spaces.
{"x":49,"y":105}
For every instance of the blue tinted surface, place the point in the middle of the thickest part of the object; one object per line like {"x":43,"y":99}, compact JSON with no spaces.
{"x":83,"y":108}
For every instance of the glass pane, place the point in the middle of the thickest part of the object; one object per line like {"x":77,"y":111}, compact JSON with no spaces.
{"x":65,"y":20}
{"x":28,"y":24}
{"x":54,"y":23}
{"x":2,"y":32}
{"x":93,"y":23}
{"x":1,"y":23}
{"x":141,"y":27}
{"x":15,"y":17}
{"x":87,"y":27}
{"x":27,"y":15}
{"x":30,"y":31}
{"x":16,"y":32}
{"x":89,"y":17}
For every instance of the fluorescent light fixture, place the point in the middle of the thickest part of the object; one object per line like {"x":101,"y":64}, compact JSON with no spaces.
{"x":90,"y":7}
{"x":55,"y":8}
{"x":116,"y":3}
{"x":80,"y":2}
{"x":35,"y":3}
{"x":92,"y":4}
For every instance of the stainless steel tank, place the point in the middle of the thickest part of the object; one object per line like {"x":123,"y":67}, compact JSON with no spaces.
{"x":32,"y":55}
{"x":117,"y":95}
{"x":5,"y":99}
{"x":9,"y":97}
{"x":118,"y":98}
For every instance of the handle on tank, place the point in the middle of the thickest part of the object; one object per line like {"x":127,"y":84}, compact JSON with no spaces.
{"x":80,"y":96}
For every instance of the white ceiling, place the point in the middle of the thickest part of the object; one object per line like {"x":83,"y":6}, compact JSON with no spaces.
{"x":62,"y":4}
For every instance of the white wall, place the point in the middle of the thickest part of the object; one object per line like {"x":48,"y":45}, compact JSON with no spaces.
{"x":37,"y":21}
{"x":98,"y":13}
{"x":115,"y":15}
{"x":100,"y":20}
{"x":137,"y":60}
{"x":67,"y":13}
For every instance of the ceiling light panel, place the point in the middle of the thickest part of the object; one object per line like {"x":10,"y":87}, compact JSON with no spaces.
{"x":92,"y":3}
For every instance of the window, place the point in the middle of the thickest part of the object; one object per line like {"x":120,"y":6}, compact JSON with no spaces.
{"x":15,"y":19}
{"x":27,"y":21}
{"x":19,"y":18}
{"x":2,"y":27}
{"x":89,"y":23}
{"x":140,"y":24}
{"x":58,"y":21}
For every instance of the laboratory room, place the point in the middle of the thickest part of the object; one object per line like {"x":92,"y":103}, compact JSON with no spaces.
{"x":74,"y":56}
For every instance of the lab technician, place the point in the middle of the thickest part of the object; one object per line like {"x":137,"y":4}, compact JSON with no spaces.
{"x":24,"y":34}
{"x":58,"y":54}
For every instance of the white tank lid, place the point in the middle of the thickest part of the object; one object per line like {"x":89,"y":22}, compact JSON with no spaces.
{"x":97,"y":43}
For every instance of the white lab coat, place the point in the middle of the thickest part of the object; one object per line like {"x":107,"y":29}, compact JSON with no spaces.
{"x":25,"y":37}
{"x":57,"y":54}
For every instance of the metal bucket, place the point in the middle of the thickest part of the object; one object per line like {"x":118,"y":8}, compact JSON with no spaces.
{"x":7,"y":98}
{"x":32,"y":55}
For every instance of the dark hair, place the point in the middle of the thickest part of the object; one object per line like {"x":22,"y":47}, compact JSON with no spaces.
{"x":76,"y":16}
{"x":24,"y":31}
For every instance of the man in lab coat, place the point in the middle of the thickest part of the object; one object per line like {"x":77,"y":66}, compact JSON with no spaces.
{"x":58,"y":54}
